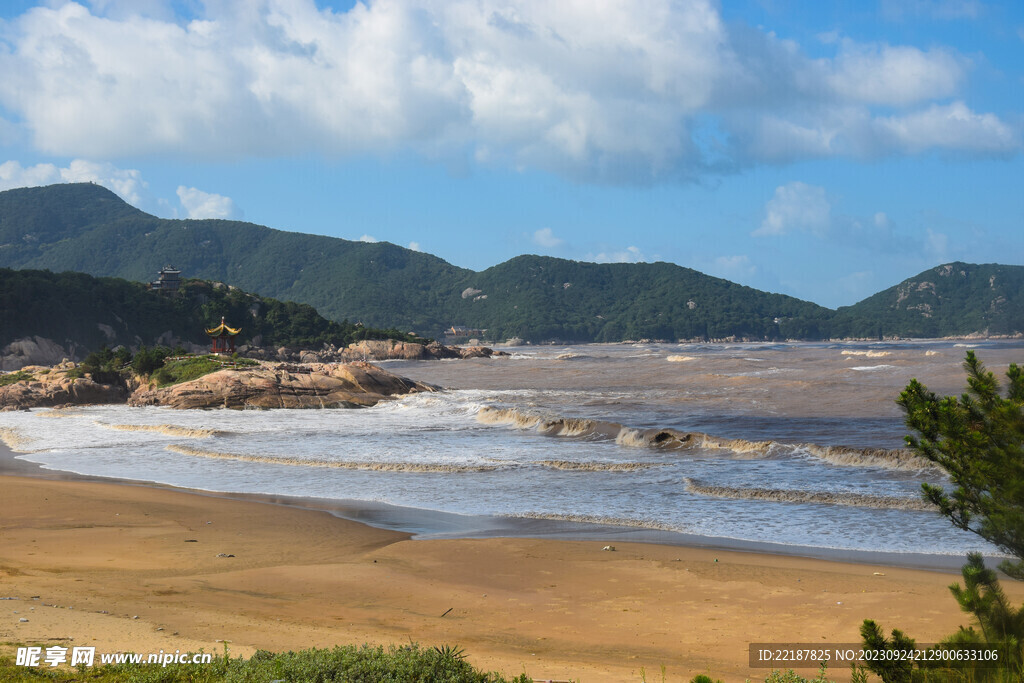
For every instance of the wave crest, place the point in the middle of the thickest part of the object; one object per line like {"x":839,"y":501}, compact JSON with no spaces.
{"x":866,"y":500}
{"x":169,"y":430}
{"x":675,"y":439}
{"x":573,"y":466}
{"x":331,"y":464}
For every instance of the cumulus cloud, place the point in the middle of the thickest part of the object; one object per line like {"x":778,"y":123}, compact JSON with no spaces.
{"x":796,"y":207}
{"x":126,"y":183}
{"x":736,"y":267}
{"x":545,"y":238}
{"x":415,"y":246}
{"x":608,"y":92}
{"x":627,"y":255}
{"x":199,"y":204}
{"x":368,"y":238}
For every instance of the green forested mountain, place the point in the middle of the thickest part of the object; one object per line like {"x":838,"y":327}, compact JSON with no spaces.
{"x":952,"y":299}
{"x":84,"y":227}
{"x":81,"y":311}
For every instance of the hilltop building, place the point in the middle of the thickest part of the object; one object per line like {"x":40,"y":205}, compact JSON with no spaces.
{"x":168,"y":280}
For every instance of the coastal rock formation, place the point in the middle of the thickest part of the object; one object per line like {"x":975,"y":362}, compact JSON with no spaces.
{"x":32,"y":351}
{"x":283,"y":385}
{"x":368,"y":350}
{"x":56,"y":386}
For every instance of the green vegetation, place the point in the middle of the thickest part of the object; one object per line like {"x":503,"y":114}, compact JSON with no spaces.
{"x":85,"y":312}
{"x":12,"y":377}
{"x":978,"y":439}
{"x":953,"y":299}
{"x":89,"y":229}
{"x":366,"y":664}
{"x":180,"y":370}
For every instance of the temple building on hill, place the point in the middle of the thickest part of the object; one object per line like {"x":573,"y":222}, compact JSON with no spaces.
{"x":222,"y":338}
{"x":168,"y":280}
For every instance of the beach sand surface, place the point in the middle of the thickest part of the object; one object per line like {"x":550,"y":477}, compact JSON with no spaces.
{"x":138,"y":568}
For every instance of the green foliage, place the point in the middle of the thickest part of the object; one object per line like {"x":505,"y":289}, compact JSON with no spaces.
{"x":1001,"y":625}
{"x":193,"y":367}
{"x":81,"y":311}
{"x":978,"y":439}
{"x":366,"y":664}
{"x":12,"y":377}
{"x":952,"y":299}
{"x":148,"y":360}
{"x":704,"y":678}
{"x":894,"y":669}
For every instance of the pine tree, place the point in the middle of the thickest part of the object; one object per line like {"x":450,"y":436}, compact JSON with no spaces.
{"x":978,"y":439}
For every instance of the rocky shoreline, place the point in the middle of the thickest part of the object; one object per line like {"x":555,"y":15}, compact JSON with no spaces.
{"x":41,"y":351}
{"x":263,"y":385}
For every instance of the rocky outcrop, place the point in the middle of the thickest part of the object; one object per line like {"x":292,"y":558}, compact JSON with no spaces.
{"x":32,"y":351}
{"x":369,"y":350}
{"x":57,"y":386}
{"x":283,"y":385}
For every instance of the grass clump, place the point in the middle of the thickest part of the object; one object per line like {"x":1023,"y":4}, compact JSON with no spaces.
{"x":351,"y":664}
{"x":13,"y":377}
{"x":193,"y":367}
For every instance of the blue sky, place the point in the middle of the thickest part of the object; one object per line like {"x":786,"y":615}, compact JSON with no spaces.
{"x":822,"y":150}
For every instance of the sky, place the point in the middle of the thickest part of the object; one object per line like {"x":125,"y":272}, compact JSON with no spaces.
{"x":822,"y":150}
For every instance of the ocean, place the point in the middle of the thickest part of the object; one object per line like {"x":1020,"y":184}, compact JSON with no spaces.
{"x":796,"y":445}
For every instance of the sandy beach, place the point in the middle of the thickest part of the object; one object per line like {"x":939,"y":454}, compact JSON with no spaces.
{"x":137,"y":568}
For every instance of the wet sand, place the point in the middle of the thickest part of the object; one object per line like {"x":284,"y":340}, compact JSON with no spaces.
{"x":98,"y":554}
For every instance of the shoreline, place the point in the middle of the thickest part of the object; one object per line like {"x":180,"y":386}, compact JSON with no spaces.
{"x":424,"y":524}
{"x":124,"y":565}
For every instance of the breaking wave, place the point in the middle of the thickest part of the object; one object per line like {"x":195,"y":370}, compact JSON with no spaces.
{"x":572,"y":466}
{"x":865,"y":500}
{"x":13,"y":439}
{"x":680,"y":359}
{"x":331,"y":464}
{"x":867,"y":354}
{"x":61,"y":412}
{"x":597,"y":519}
{"x":888,"y":458}
{"x":675,"y":439}
{"x":169,"y":430}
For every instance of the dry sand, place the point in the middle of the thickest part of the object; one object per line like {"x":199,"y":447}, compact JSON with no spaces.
{"x":98,"y":555}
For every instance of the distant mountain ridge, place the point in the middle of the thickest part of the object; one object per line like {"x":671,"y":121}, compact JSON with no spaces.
{"x":87,"y":228}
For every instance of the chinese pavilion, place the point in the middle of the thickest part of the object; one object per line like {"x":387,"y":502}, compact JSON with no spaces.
{"x":222,"y":338}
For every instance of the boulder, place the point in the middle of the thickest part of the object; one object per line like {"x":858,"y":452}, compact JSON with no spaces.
{"x":32,"y":351}
{"x":283,"y":385}
{"x":48,"y":387}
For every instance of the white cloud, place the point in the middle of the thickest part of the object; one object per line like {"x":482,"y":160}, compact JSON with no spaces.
{"x":951,"y":127}
{"x":545,"y":238}
{"x":733,"y":267}
{"x":615,"y":91}
{"x":127,"y":183}
{"x":415,"y":246}
{"x":368,"y":238}
{"x":894,"y":75}
{"x":627,"y":255}
{"x":796,"y":207}
{"x":881,"y":220}
{"x":199,"y":204}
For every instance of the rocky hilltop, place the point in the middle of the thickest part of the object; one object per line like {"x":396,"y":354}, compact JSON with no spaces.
{"x":265,"y":385}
